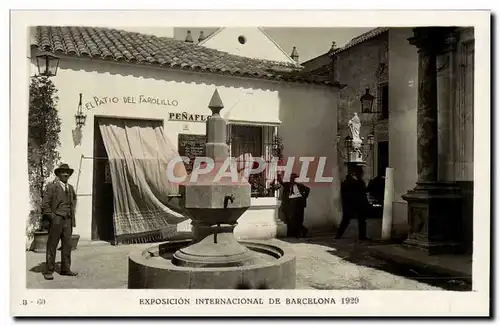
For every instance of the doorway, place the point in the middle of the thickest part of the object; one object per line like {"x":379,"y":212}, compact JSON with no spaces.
{"x":102,"y":192}
{"x":383,"y":156}
{"x":103,"y":227}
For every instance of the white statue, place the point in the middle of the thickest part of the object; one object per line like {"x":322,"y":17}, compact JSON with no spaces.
{"x":355,"y":127}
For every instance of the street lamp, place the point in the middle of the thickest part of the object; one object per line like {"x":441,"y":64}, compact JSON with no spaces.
{"x":367,"y":102}
{"x":366,"y":107}
{"x":80,"y":117}
{"x":47,"y":64}
{"x":348,"y":146}
{"x":371,"y":139}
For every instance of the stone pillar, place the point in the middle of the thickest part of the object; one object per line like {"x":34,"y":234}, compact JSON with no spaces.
{"x":433,"y":207}
{"x":216,"y":146}
{"x":427,"y":140}
{"x":446,"y":77}
{"x":214,"y":204}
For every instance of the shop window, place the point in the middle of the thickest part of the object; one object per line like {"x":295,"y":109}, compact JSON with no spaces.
{"x":257,"y":141}
{"x":383,"y":100}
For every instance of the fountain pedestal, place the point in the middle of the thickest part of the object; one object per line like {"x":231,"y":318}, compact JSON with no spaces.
{"x":214,"y":258}
{"x":220,"y":249}
{"x":215,"y":201}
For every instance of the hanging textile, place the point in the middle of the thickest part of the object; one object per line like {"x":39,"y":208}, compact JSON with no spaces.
{"x":138,"y":154}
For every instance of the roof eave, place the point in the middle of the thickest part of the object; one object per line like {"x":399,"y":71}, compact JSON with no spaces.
{"x":277,"y":78}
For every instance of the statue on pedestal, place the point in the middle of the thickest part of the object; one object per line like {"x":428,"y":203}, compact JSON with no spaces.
{"x":355,"y":127}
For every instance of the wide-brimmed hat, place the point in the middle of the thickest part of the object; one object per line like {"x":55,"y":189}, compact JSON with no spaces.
{"x":63,"y":167}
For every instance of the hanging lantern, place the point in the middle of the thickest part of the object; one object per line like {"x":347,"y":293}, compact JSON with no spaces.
{"x":47,"y":64}
{"x":348,"y":143}
{"x":80,"y":117}
{"x":371,"y":139}
{"x":367,"y":102}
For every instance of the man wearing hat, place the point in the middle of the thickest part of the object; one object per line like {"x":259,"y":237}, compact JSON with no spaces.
{"x":355,"y":204}
{"x":58,"y":207}
{"x":294,"y":201}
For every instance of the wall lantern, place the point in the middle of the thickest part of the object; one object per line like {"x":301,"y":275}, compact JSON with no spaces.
{"x":371,"y":139}
{"x":47,"y":64}
{"x":367,"y":102}
{"x":338,"y":137}
{"x":348,"y":143}
{"x":80,"y":117}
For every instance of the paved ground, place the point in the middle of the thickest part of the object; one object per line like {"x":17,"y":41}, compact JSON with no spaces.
{"x":322,"y":263}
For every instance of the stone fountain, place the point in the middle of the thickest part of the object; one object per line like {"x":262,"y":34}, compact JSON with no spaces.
{"x":213,"y":258}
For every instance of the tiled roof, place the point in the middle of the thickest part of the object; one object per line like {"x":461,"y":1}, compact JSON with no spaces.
{"x":363,"y":38}
{"x":122,"y":46}
{"x":319,"y":60}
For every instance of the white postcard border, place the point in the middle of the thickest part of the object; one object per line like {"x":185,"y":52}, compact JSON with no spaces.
{"x":126,"y":302}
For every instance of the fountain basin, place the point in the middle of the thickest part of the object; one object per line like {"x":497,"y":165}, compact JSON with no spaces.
{"x":152,"y":268}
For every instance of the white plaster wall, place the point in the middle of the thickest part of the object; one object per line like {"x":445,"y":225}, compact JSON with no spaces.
{"x":309,"y":129}
{"x":260,"y":221}
{"x":403,"y":92}
{"x":244,"y":100}
{"x":257,"y":45}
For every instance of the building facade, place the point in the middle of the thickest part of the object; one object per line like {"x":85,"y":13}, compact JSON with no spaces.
{"x":362,"y":64}
{"x":386,"y":61}
{"x":251,"y":42}
{"x":127,"y":76}
{"x":441,"y":152}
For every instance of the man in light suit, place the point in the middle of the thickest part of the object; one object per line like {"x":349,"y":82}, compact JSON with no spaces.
{"x":294,"y":201}
{"x":58,"y":207}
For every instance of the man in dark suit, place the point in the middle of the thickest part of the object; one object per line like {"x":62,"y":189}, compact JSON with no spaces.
{"x":355,"y":203}
{"x":294,"y":201}
{"x":58,"y":207}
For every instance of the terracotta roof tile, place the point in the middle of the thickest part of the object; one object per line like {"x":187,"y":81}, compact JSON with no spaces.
{"x":363,"y":38}
{"x":116,"y":45}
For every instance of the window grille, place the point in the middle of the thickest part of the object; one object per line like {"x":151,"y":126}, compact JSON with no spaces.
{"x":257,"y":141}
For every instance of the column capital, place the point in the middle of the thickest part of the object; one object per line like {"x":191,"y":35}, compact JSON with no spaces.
{"x":450,"y":40}
{"x":434,"y":39}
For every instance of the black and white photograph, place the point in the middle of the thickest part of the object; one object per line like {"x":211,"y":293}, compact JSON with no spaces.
{"x":326,"y":159}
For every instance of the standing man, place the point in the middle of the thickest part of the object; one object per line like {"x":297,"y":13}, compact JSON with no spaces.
{"x":58,"y":206}
{"x":294,"y":201}
{"x":354,"y":201}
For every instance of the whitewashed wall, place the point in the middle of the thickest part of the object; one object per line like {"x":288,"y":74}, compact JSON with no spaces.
{"x":312,"y":108}
{"x":258,"y":45}
{"x":309,"y":129}
{"x":403,"y":100}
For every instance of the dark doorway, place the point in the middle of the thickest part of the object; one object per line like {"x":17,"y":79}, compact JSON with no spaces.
{"x":102,"y":193}
{"x":383,"y":155}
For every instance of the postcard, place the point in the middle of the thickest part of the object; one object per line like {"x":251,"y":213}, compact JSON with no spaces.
{"x":270,"y":163}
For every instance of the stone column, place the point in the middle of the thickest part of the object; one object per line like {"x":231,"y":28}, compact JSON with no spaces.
{"x":214,"y":204}
{"x":427,"y":140}
{"x":446,"y":77}
{"x":433,"y":206}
